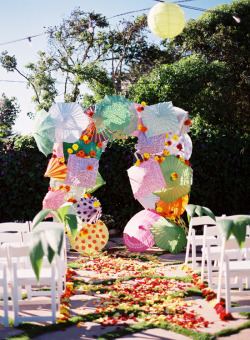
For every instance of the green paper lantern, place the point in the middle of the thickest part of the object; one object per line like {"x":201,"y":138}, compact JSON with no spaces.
{"x":166,"y":20}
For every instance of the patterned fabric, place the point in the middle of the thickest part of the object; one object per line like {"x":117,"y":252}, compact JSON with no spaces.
{"x":145,"y":178}
{"x":152,"y":145}
{"x":82,"y":172}
{"x":89,"y":209}
{"x":53,"y":200}
{"x":148,"y":201}
{"x":183,"y":121}
{"x":179,"y":145}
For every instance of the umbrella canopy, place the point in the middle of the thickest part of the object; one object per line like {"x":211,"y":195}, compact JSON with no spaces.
{"x":152,"y":145}
{"x":168,"y":235}
{"x":82,"y":148}
{"x":44,"y":132}
{"x":91,"y":238}
{"x":69,"y":121}
{"x":137,"y":235}
{"x":148,"y":201}
{"x":177,"y":177}
{"x":89,"y":209}
{"x":183,"y":121}
{"x":146,"y":178}
{"x":53,"y":200}
{"x":179,"y":145}
{"x":159,"y":118}
{"x":71,"y":192}
{"x":173,"y":209}
{"x":56,"y":168}
{"x":82,"y":172}
{"x":99,"y":183}
{"x":115,"y":117}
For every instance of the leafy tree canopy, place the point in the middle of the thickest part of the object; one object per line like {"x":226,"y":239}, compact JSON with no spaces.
{"x":8,"y":114}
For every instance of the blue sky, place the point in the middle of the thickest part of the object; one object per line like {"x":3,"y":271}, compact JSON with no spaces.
{"x":24,"y":18}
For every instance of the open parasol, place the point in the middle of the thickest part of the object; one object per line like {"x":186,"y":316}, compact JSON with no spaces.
{"x":137,"y":235}
{"x":173,"y":209}
{"x":148,"y":201}
{"x":115,"y":117}
{"x":82,"y":148}
{"x":168,"y":235}
{"x":89,"y":209}
{"x":69,"y":121}
{"x":146,"y":178}
{"x":82,"y":172}
{"x":56,"y":168}
{"x":90,"y":238}
{"x":53,"y":200}
{"x":179,"y":145}
{"x":152,"y":145}
{"x":44,"y":132}
{"x":183,"y":121}
{"x":177,"y":176}
{"x":159,"y":118}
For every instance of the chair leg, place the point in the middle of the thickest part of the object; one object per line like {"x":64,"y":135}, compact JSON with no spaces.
{"x":5,"y":298}
{"x":188,"y":249}
{"x":227,"y":287}
{"x":203,"y":260}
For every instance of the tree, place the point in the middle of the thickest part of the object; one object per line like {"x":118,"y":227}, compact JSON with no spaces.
{"x":223,"y":34}
{"x":84,"y":50}
{"x":8,"y":114}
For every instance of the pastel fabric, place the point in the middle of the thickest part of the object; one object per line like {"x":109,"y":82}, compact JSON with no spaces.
{"x":182,"y":117}
{"x":53,"y":200}
{"x":179,"y":145}
{"x":159,"y":118}
{"x":78,"y":173}
{"x":145,"y":178}
{"x":152,"y":145}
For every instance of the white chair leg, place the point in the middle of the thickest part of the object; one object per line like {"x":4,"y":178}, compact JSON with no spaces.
{"x":203,"y":260}
{"x":227,"y":287}
{"x":188,"y":246}
{"x":5,"y":298}
{"x":53,"y":295}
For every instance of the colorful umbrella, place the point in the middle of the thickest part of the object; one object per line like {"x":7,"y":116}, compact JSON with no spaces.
{"x":82,"y":172}
{"x":69,"y":121}
{"x":58,"y":150}
{"x":178,"y":145}
{"x":72,"y":192}
{"x":53,"y":200}
{"x":91,"y":238}
{"x":183,"y":121}
{"x":148,"y":201}
{"x":137,"y":235}
{"x":168,"y":235}
{"x":56,"y":168}
{"x":99,"y":183}
{"x":173,"y":209}
{"x":91,"y":131}
{"x":177,"y":177}
{"x":159,"y":118}
{"x":44,"y":132}
{"x":82,"y":148}
{"x":115,"y":117}
{"x":152,"y":145}
{"x":146,"y":178}
{"x":89,"y":209}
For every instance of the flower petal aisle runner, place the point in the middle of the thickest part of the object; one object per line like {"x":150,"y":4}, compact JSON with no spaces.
{"x":132,"y":292}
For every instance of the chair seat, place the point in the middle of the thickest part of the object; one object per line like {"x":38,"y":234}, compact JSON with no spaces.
{"x":28,"y":273}
{"x":239,"y":266}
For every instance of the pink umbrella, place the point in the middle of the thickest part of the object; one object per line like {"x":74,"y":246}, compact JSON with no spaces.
{"x":137,"y":235}
{"x":145,"y":178}
{"x":152,"y":145}
{"x":53,"y":200}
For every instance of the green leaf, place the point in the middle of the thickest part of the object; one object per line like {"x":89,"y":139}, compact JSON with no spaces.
{"x":168,"y":235}
{"x":36,"y":253}
{"x":51,"y":254}
{"x":72,"y":223}
{"x":63,"y":210}
{"x":226,"y":226}
{"x":239,"y":229}
{"x":42,"y":214}
{"x":208,"y":212}
{"x":190,"y":209}
{"x":55,"y":239}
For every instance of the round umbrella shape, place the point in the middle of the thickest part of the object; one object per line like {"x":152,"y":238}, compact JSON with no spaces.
{"x":69,"y":121}
{"x":168,"y":235}
{"x":89,"y":209}
{"x":183,"y":121}
{"x":177,"y":176}
{"x":53,"y":200}
{"x":115,"y":117}
{"x":91,"y":238}
{"x":173,"y":209}
{"x":137,"y":235}
{"x":152,"y":145}
{"x":44,"y":132}
{"x":148,"y":201}
{"x":159,"y":118}
{"x":56,"y":168}
{"x":179,"y":145}
{"x":91,"y":131}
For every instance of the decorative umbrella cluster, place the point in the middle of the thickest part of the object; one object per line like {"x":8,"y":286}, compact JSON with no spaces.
{"x":77,"y":139}
{"x":161,"y":178}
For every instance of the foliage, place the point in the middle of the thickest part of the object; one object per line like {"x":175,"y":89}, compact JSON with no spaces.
{"x":235,"y":227}
{"x":201,"y":88}
{"x":217,"y":36}
{"x":22,"y":183}
{"x":83,"y":49}
{"x":193,"y":209}
{"x":8,"y":114}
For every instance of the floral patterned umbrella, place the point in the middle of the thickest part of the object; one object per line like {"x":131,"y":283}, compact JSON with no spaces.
{"x":152,"y":145}
{"x":178,"y":145}
{"x":53,"y":200}
{"x":183,"y":121}
{"x":137,"y":235}
{"x":82,"y":148}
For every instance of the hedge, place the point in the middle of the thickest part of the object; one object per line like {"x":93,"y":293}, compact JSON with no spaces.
{"x":220,"y":162}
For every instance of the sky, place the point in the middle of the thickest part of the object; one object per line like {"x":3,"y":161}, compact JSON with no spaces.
{"x":24,"y":18}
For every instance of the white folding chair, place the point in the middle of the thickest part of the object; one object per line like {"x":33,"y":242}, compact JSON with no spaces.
{"x":194,"y":240}
{"x":233,"y":269}
{"x":14,"y":227}
{"x":4,"y":284}
{"x":11,"y":237}
{"x":25,"y":276}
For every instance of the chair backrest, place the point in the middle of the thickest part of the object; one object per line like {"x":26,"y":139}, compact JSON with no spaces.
{"x":10,"y":238}
{"x":232,"y":243}
{"x":203,"y":220}
{"x":47,"y":225}
{"x":14,"y":226}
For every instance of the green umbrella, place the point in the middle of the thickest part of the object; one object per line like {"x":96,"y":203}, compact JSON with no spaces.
{"x":91,"y":149}
{"x":178,"y":178}
{"x":168,"y":235}
{"x":44,"y":132}
{"x":115,"y":117}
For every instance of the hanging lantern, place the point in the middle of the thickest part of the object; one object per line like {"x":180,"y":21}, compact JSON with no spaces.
{"x":166,"y":19}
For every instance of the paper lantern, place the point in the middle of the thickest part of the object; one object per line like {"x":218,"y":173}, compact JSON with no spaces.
{"x":166,"y":19}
